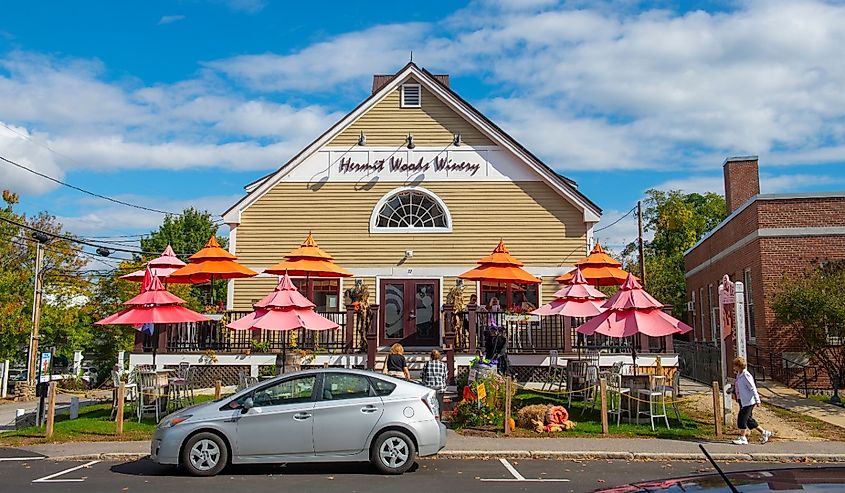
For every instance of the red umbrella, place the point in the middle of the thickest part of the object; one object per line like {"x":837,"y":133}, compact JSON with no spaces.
{"x":577,"y":299}
{"x":161,"y":267}
{"x":155,"y":305}
{"x":282,"y":310}
{"x":632,"y":311}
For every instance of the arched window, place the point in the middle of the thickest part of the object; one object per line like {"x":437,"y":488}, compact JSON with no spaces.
{"x":411,"y":209}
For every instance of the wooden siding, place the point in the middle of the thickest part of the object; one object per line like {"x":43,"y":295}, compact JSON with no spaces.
{"x":388,"y":124}
{"x":538,"y":226}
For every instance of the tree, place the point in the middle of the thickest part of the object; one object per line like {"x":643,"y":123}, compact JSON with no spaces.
{"x":64,"y":323}
{"x":813,"y":304}
{"x":678,"y":221}
{"x":186,"y":234}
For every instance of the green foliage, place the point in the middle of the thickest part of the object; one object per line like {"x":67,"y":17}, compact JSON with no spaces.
{"x":813,"y":304}
{"x":260,"y":346}
{"x":72,"y":383}
{"x":678,"y":221}
{"x":64,"y":317}
{"x":468,"y":414}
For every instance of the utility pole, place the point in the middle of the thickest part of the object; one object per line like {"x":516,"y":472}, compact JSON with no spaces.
{"x":32,"y":361}
{"x":642,"y":248}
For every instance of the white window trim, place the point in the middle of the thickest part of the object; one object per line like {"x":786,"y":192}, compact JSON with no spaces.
{"x":388,"y":195}
{"x":402,"y":96}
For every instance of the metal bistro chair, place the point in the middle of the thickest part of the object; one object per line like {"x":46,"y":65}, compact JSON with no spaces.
{"x":674,"y":392}
{"x":656,"y":399}
{"x":615,"y":393}
{"x":130,"y":386}
{"x":245,"y":380}
{"x":180,"y":388}
{"x":148,"y":394}
{"x":556,"y":373}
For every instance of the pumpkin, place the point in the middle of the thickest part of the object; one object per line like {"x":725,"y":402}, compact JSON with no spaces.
{"x":511,"y":424}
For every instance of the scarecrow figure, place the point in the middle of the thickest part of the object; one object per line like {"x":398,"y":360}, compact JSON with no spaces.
{"x":359,"y":297}
{"x":456,"y":299}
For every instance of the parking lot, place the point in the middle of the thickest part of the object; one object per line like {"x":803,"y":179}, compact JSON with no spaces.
{"x":21,"y":472}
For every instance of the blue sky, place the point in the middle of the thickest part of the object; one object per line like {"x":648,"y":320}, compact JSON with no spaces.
{"x":177,"y":103}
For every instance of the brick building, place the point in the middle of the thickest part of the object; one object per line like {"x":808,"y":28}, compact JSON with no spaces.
{"x":764,"y":238}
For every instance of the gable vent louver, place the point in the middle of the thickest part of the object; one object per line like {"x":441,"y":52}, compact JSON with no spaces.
{"x":411,"y":96}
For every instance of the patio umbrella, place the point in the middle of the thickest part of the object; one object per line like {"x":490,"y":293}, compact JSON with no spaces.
{"x":154,"y":305}
{"x":161,"y":266}
{"x":599,"y":269}
{"x":209,"y":264}
{"x":500,"y":266}
{"x":282,"y":310}
{"x":577,"y":299}
{"x":633,"y":311}
{"x":308,"y":260}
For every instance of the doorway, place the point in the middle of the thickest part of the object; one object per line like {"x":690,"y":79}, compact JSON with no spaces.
{"x":410,"y":312}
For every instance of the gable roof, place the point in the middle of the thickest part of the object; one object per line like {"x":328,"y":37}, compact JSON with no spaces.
{"x":440,"y":88}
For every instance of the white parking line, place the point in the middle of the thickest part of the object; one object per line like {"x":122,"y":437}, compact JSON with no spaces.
{"x":49,"y":479}
{"x":519,"y":477}
{"x":8,"y":459}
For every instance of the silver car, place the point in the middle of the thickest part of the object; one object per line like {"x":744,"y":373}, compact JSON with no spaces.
{"x":326,"y":415}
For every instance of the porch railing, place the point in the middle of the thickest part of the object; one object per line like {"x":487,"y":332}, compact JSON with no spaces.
{"x":213,"y":335}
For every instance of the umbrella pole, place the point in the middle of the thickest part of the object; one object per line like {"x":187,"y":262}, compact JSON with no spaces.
{"x":155,"y":344}
{"x":634,"y":353}
{"x":284,"y":355}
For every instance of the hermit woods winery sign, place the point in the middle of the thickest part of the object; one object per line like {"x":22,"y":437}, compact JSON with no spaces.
{"x":396,"y":164}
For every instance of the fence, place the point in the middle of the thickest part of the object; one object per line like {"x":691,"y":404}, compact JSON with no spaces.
{"x":699,"y":361}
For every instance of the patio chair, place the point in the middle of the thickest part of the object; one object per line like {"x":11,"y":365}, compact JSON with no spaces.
{"x":556,"y":373}
{"x":674,"y":392}
{"x":130,"y":387}
{"x":245,"y":380}
{"x":180,"y":388}
{"x":656,"y":399}
{"x":148,"y":394}
{"x":615,"y":393}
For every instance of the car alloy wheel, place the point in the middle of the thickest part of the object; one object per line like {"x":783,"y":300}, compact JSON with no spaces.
{"x":205,"y":454}
{"x":394,"y":452}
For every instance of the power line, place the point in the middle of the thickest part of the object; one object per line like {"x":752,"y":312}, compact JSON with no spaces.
{"x":83,"y":242}
{"x":616,"y":221}
{"x":88,"y":192}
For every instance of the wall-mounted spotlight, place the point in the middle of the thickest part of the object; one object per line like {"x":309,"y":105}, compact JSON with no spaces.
{"x":409,"y":253}
{"x":362,"y":139}
{"x":411,"y":141}
{"x":457,"y":139}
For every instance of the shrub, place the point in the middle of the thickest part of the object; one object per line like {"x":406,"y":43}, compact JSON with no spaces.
{"x":468,"y":414}
{"x":72,"y":383}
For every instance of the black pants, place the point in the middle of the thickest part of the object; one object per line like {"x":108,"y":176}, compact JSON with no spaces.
{"x":744,"y":420}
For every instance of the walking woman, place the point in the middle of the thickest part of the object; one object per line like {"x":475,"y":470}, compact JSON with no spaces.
{"x":746,"y":394}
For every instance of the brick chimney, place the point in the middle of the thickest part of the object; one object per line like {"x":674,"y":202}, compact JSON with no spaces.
{"x":742,"y":180}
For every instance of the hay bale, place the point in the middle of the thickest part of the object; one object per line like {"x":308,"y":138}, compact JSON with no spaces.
{"x":526,"y":416}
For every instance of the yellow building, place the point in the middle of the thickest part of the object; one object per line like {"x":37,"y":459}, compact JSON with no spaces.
{"x":407,"y":191}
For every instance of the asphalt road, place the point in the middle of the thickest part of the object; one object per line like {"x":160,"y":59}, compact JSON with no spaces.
{"x":433,"y":475}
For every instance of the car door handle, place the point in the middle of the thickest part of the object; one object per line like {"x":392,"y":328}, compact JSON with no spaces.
{"x":301,"y":416}
{"x":369,"y":409}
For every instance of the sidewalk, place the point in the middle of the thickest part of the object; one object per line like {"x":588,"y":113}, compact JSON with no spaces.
{"x":460,"y":447}
{"x":781,"y":396}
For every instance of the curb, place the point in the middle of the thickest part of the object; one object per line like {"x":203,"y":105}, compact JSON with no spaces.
{"x":635,"y":456}
{"x":124,"y":456}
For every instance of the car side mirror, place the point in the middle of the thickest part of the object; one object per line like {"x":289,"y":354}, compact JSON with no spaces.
{"x":247,"y":405}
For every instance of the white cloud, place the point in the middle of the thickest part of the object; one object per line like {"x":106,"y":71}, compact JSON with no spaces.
{"x":170,"y":19}
{"x":19,"y":145}
{"x":694,"y":184}
{"x":107,"y":219}
{"x":796,"y":182}
{"x":617,"y":233}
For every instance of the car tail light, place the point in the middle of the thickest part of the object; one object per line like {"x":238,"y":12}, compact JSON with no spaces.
{"x":430,"y":401}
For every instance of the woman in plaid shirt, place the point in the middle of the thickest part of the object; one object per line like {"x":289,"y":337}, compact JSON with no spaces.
{"x":434,"y":375}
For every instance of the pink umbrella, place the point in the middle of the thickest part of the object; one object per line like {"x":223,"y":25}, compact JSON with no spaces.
{"x":164,"y":265}
{"x":282,"y":310}
{"x":155,"y":305}
{"x":577,"y":299}
{"x":632,"y":311}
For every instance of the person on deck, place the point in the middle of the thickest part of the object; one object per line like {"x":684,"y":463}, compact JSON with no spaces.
{"x":396,"y":365}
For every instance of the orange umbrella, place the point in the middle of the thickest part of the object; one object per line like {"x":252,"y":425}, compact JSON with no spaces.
{"x":500,"y":266}
{"x":599,"y":269}
{"x":308,"y":260}
{"x":209,"y":264}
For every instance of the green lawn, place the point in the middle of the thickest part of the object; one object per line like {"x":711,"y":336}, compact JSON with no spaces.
{"x":94,"y":424}
{"x":589,"y":423}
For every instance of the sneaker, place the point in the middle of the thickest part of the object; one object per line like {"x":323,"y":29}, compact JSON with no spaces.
{"x":766,"y":436}
{"x":740,"y":441}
